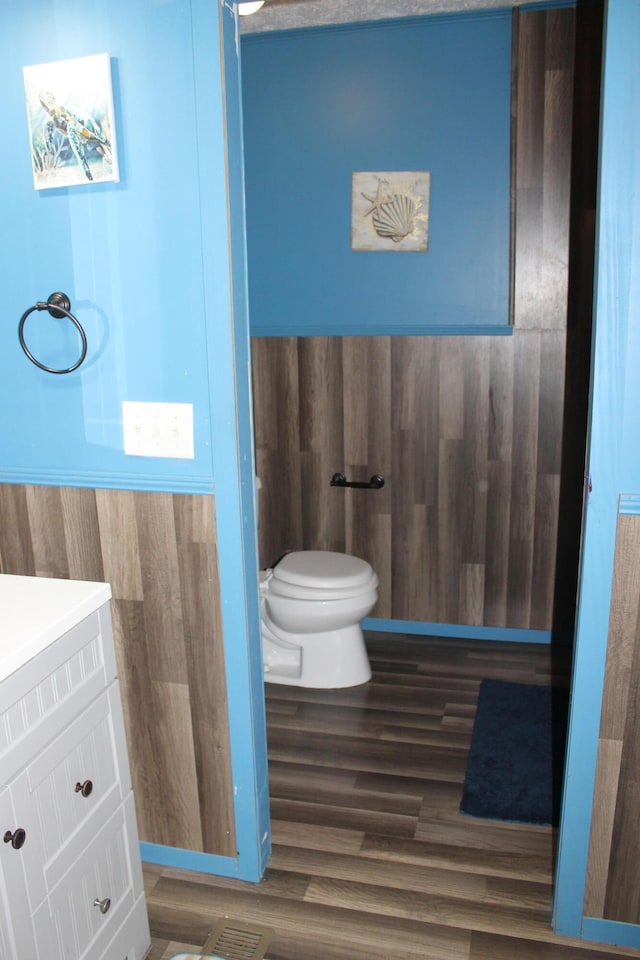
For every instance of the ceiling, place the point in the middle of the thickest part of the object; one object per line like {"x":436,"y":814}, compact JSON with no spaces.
{"x":290,"y":14}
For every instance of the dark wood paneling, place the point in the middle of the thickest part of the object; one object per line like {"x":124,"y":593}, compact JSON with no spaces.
{"x":544,"y":103}
{"x":468,"y":447}
{"x":467,"y":431}
{"x":277,"y":432}
{"x":158,"y":552}
{"x":613,"y":892}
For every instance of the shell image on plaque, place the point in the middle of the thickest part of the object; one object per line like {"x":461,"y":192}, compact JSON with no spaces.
{"x":390,"y":211}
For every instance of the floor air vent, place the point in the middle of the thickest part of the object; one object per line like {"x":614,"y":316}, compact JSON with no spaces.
{"x":235,"y":940}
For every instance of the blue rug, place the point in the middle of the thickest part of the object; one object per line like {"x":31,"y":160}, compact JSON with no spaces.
{"x":516,"y":761}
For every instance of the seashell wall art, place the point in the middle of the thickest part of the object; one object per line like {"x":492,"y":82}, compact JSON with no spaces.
{"x":390,"y":211}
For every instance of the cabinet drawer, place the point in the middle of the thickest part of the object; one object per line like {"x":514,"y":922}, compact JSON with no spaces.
{"x":41,"y":698}
{"x":72,"y":787}
{"x":93,"y":898}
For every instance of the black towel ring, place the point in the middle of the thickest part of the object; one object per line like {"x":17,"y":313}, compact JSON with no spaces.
{"x":59,"y":306}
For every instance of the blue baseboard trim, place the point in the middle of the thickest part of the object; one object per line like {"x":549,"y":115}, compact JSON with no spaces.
{"x":611,"y":931}
{"x":190,"y":860}
{"x":461,"y":631}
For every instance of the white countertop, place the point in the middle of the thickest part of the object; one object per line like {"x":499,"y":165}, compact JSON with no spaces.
{"x":35,"y":611}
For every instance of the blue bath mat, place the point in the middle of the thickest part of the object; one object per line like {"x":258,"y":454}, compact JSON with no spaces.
{"x":516,"y":761}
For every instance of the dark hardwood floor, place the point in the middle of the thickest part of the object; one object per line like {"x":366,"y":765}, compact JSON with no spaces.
{"x":372,"y":859}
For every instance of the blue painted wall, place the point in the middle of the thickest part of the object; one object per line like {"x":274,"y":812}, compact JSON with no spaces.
{"x":426,"y":94}
{"x":128,"y":254}
{"x":614,"y":461}
{"x":147,"y":264}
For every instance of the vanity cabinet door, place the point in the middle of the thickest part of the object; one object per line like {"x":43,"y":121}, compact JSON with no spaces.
{"x":95,"y":896}
{"x":66,"y":794}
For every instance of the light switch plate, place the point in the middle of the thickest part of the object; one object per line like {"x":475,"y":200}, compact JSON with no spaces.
{"x":158,"y":429}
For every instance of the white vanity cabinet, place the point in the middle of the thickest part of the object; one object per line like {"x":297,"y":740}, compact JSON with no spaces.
{"x":70,"y":874}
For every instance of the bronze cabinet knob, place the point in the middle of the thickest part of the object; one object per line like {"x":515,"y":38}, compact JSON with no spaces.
{"x":16,"y":839}
{"x":84,"y":788}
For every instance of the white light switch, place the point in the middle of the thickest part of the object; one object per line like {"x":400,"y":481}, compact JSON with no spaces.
{"x":158,"y":429}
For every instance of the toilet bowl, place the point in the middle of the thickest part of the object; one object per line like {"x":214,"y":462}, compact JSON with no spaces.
{"x":312,"y":603}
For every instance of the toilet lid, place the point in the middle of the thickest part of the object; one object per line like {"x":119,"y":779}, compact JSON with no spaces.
{"x":323,"y":569}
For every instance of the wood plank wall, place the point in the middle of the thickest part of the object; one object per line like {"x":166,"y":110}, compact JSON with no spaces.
{"x":613,"y":891}
{"x":467,"y":431}
{"x":158,"y":551}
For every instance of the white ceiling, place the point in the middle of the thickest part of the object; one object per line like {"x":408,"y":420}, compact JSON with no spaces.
{"x":291,"y":14}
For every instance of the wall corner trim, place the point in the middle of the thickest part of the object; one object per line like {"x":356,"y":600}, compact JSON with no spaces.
{"x":107,"y":481}
{"x":629,"y":505}
{"x":400,"y":329}
{"x":191,"y":860}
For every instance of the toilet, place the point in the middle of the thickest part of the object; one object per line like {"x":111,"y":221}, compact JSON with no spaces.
{"x":312,"y":602}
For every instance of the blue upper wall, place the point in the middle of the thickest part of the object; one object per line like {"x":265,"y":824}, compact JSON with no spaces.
{"x":129,"y":254}
{"x":410,"y":95}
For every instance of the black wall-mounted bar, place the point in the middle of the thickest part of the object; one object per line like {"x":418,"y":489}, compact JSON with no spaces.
{"x":376,"y":482}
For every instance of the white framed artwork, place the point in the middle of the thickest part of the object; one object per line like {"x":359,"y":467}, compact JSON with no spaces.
{"x":71,"y":122}
{"x":390,"y":211}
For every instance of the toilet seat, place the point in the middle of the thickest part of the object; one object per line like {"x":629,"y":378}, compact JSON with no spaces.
{"x":323,"y":568}
{"x":290,"y":591}
{"x":321,"y":575}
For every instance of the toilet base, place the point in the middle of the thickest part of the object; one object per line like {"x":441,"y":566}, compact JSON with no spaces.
{"x":327,"y":661}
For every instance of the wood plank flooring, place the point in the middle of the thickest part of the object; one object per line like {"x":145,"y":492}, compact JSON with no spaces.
{"x":372,"y":859}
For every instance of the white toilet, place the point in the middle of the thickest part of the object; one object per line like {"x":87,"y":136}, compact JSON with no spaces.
{"x":312,"y":602}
